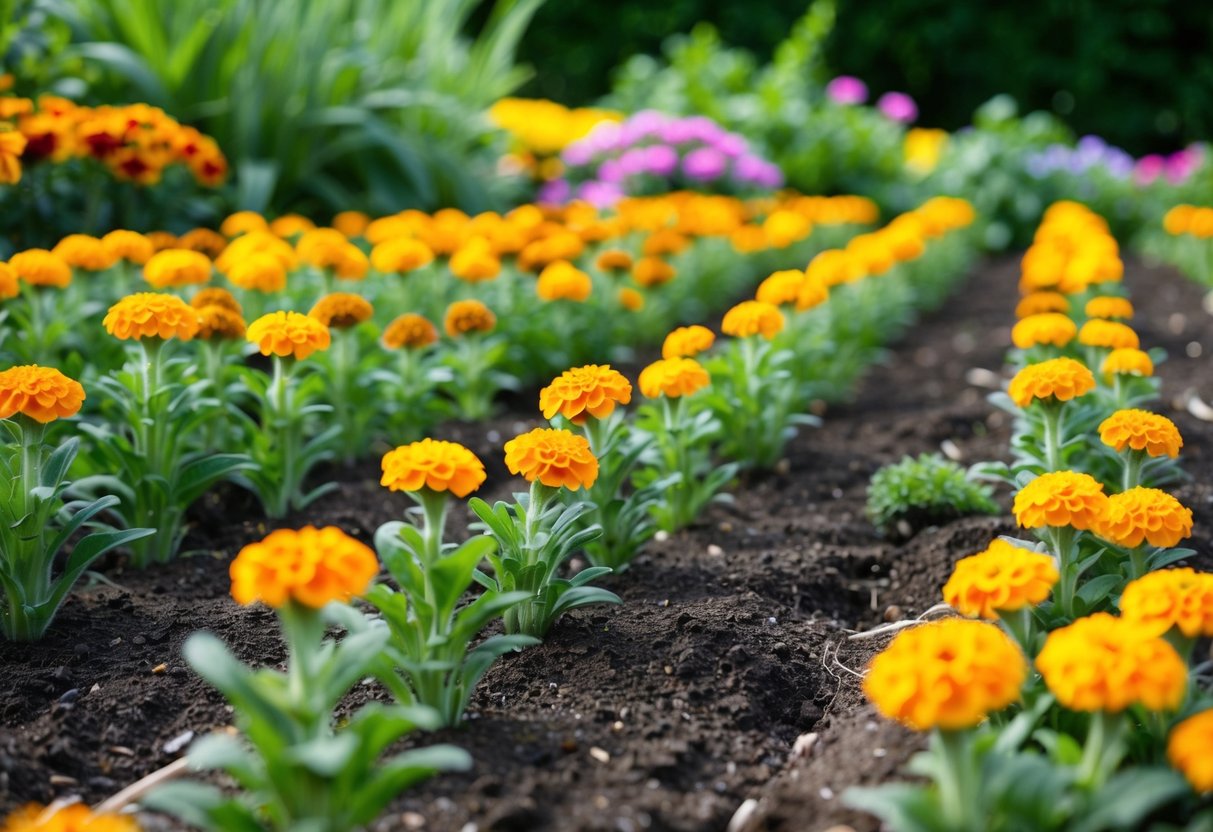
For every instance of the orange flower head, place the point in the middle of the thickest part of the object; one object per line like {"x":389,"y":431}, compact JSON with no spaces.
{"x":80,"y":251}
{"x":1109,"y":307}
{"x":310,"y":566}
{"x":475,"y":261}
{"x":10,"y":285}
{"x":1110,"y":335}
{"x":130,"y":246}
{"x":614,"y":260}
{"x":341,"y":310}
{"x":1038,"y":303}
{"x":1171,"y":598}
{"x":218,"y":323}
{"x":321,"y":248}
{"x":1141,"y":430}
{"x":1059,"y":379}
{"x":1046,"y":328}
{"x":432,"y":464}
{"x":1004,"y":577}
{"x":465,"y":316}
{"x":562,"y":280}
{"x":39,"y":267}
{"x":1105,"y":663}
{"x":216,"y":297}
{"x":630,"y":299}
{"x":593,"y":390}
{"x":289,"y":335}
{"x":1127,"y":361}
{"x":555,"y":458}
{"x":948,"y":674}
{"x":813,"y":293}
{"x":42,"y":393}
{"x":1188,"y":750}
{"x":151,"y":315}
{"x":291,"y":225}
{"x":409,"y":331}
{"x":781,"y":287}
{"x":673,"y":377}
{"x":400,"y":255}
{"x":753,"y":317}
{"x":351,"y":223}
{"x":76,"y":817}
{"x":1145,"y":515}
{"x":1059,"y":499}
{"x":242,"y":222}
{"x":177,"y":267}
{"x":259,"y":272}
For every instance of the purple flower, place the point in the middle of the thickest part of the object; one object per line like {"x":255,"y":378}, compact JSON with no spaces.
{"x":578,"y":153}
{"x":704,"y":164}
{"x":633,"y":161}
{"x":599,"y":194}
{"x":553,"y":192}
{"x":754,"y":171}
{"x":1118,"y":163}
{"x":610,"y":171}
{"x":731,"y":145}
{"x":847,"y":89}
{"x":897,"y":106}
{"x":1148,"y":169}
{"x":660,"y":159}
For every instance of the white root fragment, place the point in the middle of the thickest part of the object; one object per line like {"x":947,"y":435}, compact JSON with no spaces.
{"x":138,"y":789}
{"x":885,"y":629}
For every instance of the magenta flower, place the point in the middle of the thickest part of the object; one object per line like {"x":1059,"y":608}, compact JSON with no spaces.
{"x":704,"y":164}
{"x":847,"y":89}
{"x":897,"y":106}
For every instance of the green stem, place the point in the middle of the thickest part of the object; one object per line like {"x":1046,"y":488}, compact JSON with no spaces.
{"x":1062,"y":541}
{"x":1134,"y":460}
{"x":1019,"y":624}
{"x":956,"y":770}
{"x":1053,"y":436}
{"x":303,"y":629}
{"x":1103,"y":749}
{"x":285,"y":424}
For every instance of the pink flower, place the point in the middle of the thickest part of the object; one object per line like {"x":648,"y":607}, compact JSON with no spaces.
{"x":898,"y":107}
{"x":847,"y":89}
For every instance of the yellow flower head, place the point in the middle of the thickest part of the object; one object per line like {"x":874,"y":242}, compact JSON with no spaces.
{"x":652,"y":271}
{"x":464,"y":316}
{"x":834,"y":267}
{"x":687,"y":341}
{"x":177,"y":267}
{"x":341,"y":310}
{"x":310,"y":566}
{"x":80,"y":251}
{"x":1141,"y":430}
{"x":781,"y":287}
{"x":291,"y":225}
{"x":593,"y":390}
{"x":217,"y":323}
{"x":1059,"y":379}
{"x":1179,"y":598}
{"x":1059,"y":499}
{"x":289,"y":335}
{"x":562,"y":280}
{"x":130,"y":246}
{"x":351,"y":223}
{"x":1127,"y":361}
{"x":630,"y":299}
{"x":1110,"y":307}
{"x":1110,"y":335}
{"x":1105,"y":663}
{"x":475,"y":261}
{"x":673,"y":377}
{"x":1004,"y":577}
{"x":216,"y":297}
{"x":1178,"y":219}
{"x":753,"y":317}
{"x":553,"y":457}
{"x":259,"y":272}
{"x":1038,"y":303}
{"x":950,"y":674}
{"x":813,"y":293}
{"x":614,"y":260}
{"x":42,"y":393}
{"x":74,"y":818}
{"x":242,"y":222}
{"x":409,"y":331}
{"x":432,"y":464}
{"x":10,"y":284}
{"x":1145,"y":515}
{"x":1046,"y":328}
{"x":39,"y":267}
{"x":321,"y":248}
{"x":400,"y":255}
{"x":151,"y":315}
{"x":1188,"y":750}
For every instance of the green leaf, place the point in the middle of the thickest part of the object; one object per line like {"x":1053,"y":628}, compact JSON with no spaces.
{"x":325,"y":756}
{"x":1126,"y":799}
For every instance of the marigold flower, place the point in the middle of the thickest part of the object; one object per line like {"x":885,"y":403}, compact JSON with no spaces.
{"x":289,"y":335}
{"x":1109,"y":307}
{"x":42,"y":393}
{"x":1046,"y":328}
{"x":259,"y":272}
{"x":39,"y":267}
{"x":432,"y":464}
{"x":781,"y":287}
{"x":1038,"y":303}
{"x":1178,"y":219}
{"x":1060,"y":379}
{"x":1127,"y":361}
{"x":664,"y":241}
{"x":1105,"y":663}
{"x":400,"y":255}
{"x":130,"y":246}
{"x":220,"y":322}
{"x":1145,"y":515}
{"x":1188,"y":750}
{"x":592,"y":390}
{"x":309,"y":566}
{"x":562,"y":280}
{"x":673,"y":377}
{"x":630,"y":299}
{"x":151,"y":315}
{"x":242,"y":222}
{"x":290,"y":225}
{"x":813,"y":293}
{"x":1059,"y":499}
{"x":1179,"y":598}
{"x":614,"y":260}
{"x":1141,"y":430}
{"x":177,"y":267}
{"x":553,"y":457}
{"x":475,"y":261}
{"x":351,"y":223}
{"x":411,"y":331}
{"x":1107,"y":334}
{"x":464,"y":316}
{"x":652,"y":271}
{"x":321,"y":248}
{"x":342,"y":310}
{"x":1004,"y":577}
{"x":12,"y":145}
{"x":10,"y":285}
{"x":203,"y":241}
{"x":74,"y":818}
{"x":753,"y":317}
{"x":216,"y":297}
{"x":949,"y":674}
{"x":162,"y":240}
{"x":82,"y":251}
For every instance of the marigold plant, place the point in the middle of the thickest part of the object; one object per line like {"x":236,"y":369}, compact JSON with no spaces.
{"x":687,"y":342}
{"x":151,"y":315}
{"x":1179,"y":599}
{"x":1110,"y":335}
{"x":1146,"y":444}
{"x":1061,"y":499}
{"x":1145,"y":515}
{"x":753,"y":317}
{"x":289,"y":335}
{"x":435,"y":465}
{"x":1059,"y":379}
{"x":1109,"y":307}
{"x":308,"y":566}
{"x":1003,"y":578}
{"x":593,"y":390}
{"x":175,"y":268}
{"x":1188,"y":750}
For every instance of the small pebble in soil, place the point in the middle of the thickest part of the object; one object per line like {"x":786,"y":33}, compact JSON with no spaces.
{"x":1177,"y":323}
{"x":951,"y":450}
{"x":69,"y":696}
{"x":826,"y":793}
{"x":616,"y":726}
{"x":892,"y":613}
{"x":725,"y":526}
{"x":662,"y":536}
{"x":744,"y":812}
{"x":880,"y":752}
{"x":412,"y":820}
{"x":1194,"y":349}
{"x":160,"y":668}
{"x":121,"y":751}
{"x":178,"y":742}
{"x":63,"y":780}
{"x":715,"y":551}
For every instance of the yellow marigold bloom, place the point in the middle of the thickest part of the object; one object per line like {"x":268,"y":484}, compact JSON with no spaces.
{"x":253,"y":243}
{"x":1003,"y":577}
{"x":310,"y":566}
{"x":834,"y":267}
{"x":321,"y":248}
{"x":289,"y":225}
{"x":351,"y":223}
{"x":1109,"y":307}
{"x":813,"y":293}
{"x":1179,"y":598}
{"x":673,"y":377}
{"x":1107,"y":334}
{"x":614,"y":260}
{"x":553,"y":457}
{"x":1061,"y":379}
{"x":1061,"y":498}
{"x":177,"y":267}
{"x":630,"y":299}
{"x":130,"y":246}
{"x":464,"y":316}
{"x":409,"y":331}
{"x":652,"y":271}
{"x":74,"y":818}
{"x":753,"y":317}
{"x":563,"y":281}
{"x":1178,"y":220}
{"x":242,"y":222}
{"x":342,"y":310}
{"x":432,"y":464}
{"x":949,"y":674}
{"x":1141,"y":430}
{"x":664,"y":241}
{"x":1188,"y":750}
{"x":1145,"y":515}
{"x":592,"y":390}
{"x":1038,"y":303}
{"x":687,"y":341}
{"x":39,"y":267}
{"x":1105,"y":663}
{"x":204,"y":241}
{"x":1046,"y":328}
{"x":400,"y":255}
{"x":216,"y":297}
{"x":781,"y":287}
{"x":475,"y":261}
{"x":42,"y":393}
{"x":161,"y":240}
{"x":12,"y":145}
{"x":1127,"y":361}
{"x":289,"y":335}
{"x":10,"y":285}
{"x":748,"y":239}
{"x":81,"y":251}
{"x":220,"y":322}
{"x":351,"y":263}
{"x":259,"y":272}
{"x":782,"y":228}
{"x":151,"y":315}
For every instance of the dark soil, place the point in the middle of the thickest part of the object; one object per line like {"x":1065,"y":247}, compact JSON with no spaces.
{"x":666,"y":713}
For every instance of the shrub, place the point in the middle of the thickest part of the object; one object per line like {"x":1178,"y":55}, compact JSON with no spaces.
{"x":929,"y":489}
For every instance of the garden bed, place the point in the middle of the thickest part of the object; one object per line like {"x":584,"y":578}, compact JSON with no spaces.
{"x":665,"y":713}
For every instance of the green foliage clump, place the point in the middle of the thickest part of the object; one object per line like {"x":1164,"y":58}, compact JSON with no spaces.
{"x":929,"y":489}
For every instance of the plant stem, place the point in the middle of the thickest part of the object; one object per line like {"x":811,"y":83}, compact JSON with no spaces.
{"x":1102,"y":750}
{"x":1062,"y":541}
{"x":954,"y":750}
{"x":1053,"y":437}
{"x":1134,"y":460}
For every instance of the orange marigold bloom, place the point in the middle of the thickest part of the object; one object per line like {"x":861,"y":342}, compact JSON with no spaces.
{"x":475,"y":261}
{"x":687,"y":341}
{"x":1061,"y":498}
{"x":562,"y":280}
{"x":82,"y":251}
{"x":673,"y":377}
{"x":10,"y":285}
{"x":130,"y":246}
{"x":12,"y":145}
{"x":289,"y":335}
{"x":177,"y":267}
{"x":1109,"y":307}
{"x":259,"y":272}
{"x":243,"y":222}
{"x":1003,"y":577}
{"x":289,"y":225}
{"x":1188,"y":750}
{"x":1061,"y":379}
{"x":1107,"y":334}
{"x":753,"y":317}
{"x":1179,"y":598}
{"x":1178,"y":220}
{"x":1038,"y":303}
{"x":464,"y":316}
{"x":653,"y":271}
{"x":948,"y":674}
{"x":1145,"y":515}
{"x":42,"y":393}
{"x":203,"y":241}
{"x":1127,"y":361}
{"x":219,"y":322}
{"x":781,"y":287}
{"x":1045,"y":328}
{"x":630,"y":299}
{"x":592,"y":390}
{"x":411,"y":331}
{"x":813,"y":293}
{"x":1141,"y":430}
{"x":664,"y":241}
{"x":553,"y":457}
{"x":39,"y":267}
{"x":1105,"y":663}
{"x":432,"y":464}
{"x":400,"y":255}
{"x":216,"y":297}
{"x":310,"y":566}
{"x":342,"y":310}
{"x":74,"y":818}
{"x":162,"y":240}
{"x":151,"y":315}
{"x":351,"y":223}
{"x":614,"y":260}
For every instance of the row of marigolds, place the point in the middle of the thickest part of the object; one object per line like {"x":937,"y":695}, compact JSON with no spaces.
{"x":1081,"y":707}
{"x":602,"y":480}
